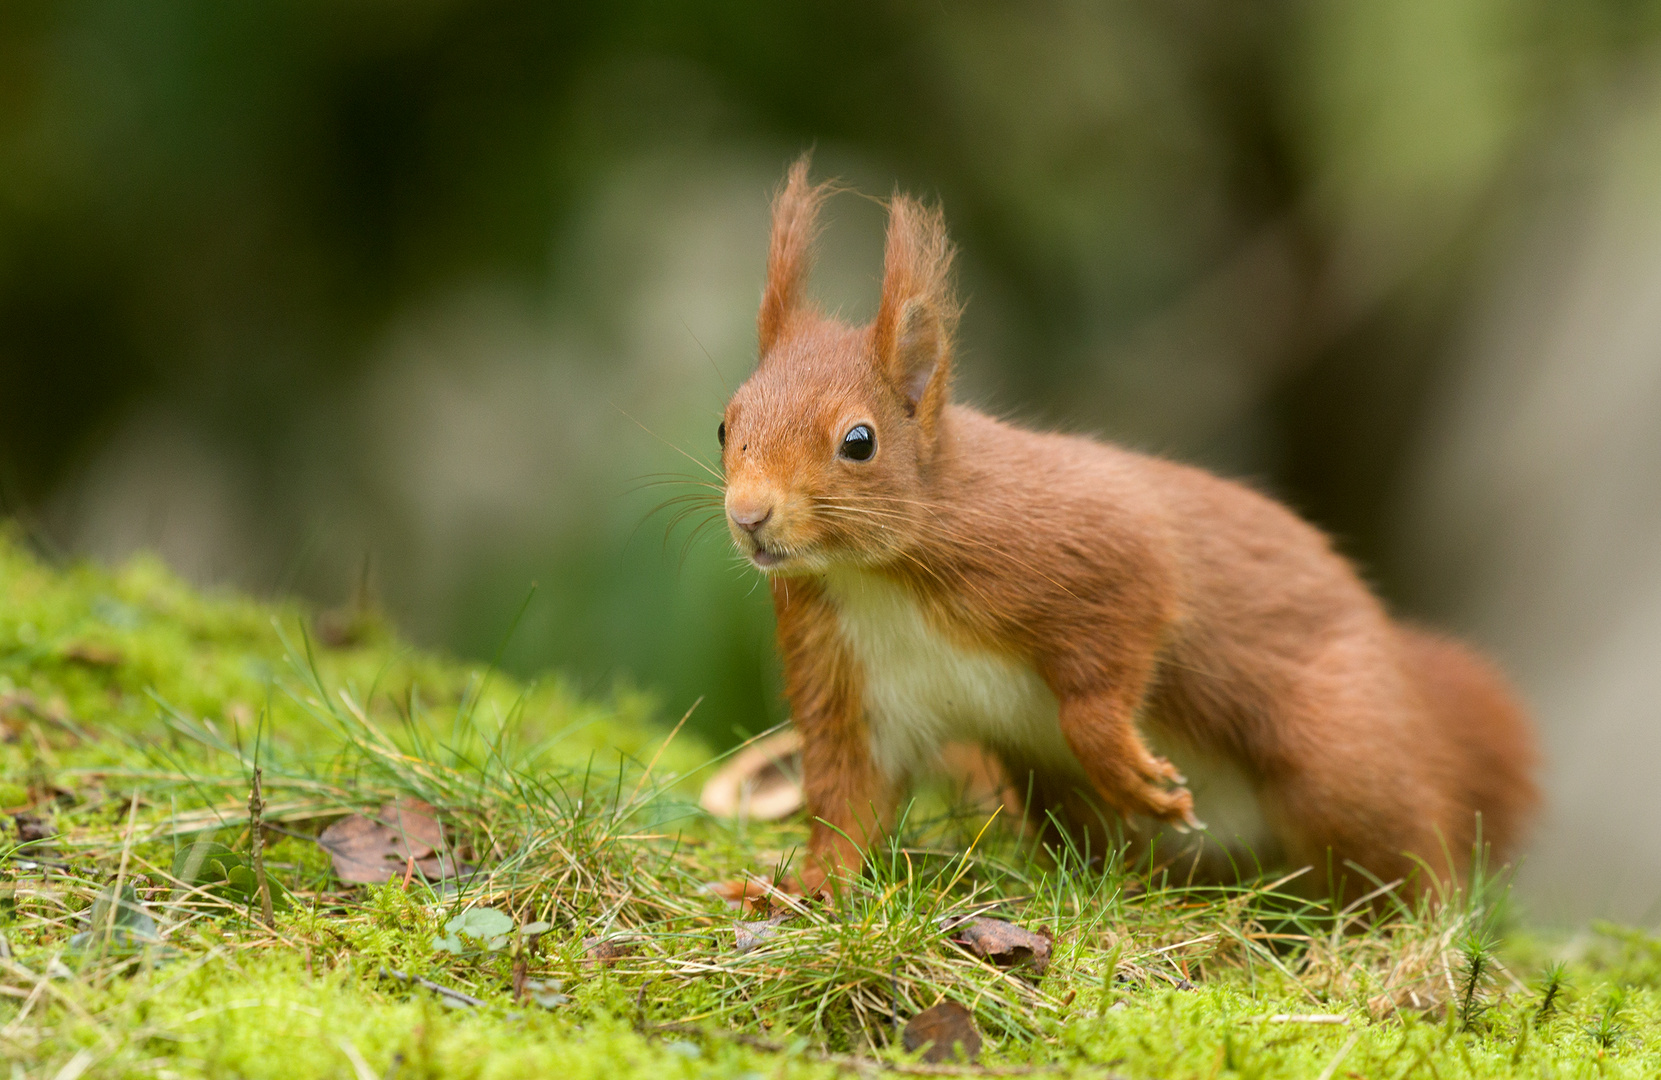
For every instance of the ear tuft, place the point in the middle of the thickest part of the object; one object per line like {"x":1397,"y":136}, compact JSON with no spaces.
{"x":790,"y":251}
{"x":918,"y":312}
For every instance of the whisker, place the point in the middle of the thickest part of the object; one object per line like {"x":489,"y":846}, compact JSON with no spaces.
{"x":685,"y":504}
{"x":681,"y":505}
{"x":682,"y":516}
{"x":664,"y":475}
{"x":645,"y":484}
{"x":696,"y":461}
{"x":698,"y":502}
{"x":691,"y":538}
{"x":712,"y":365}
{"x":956,"y":536}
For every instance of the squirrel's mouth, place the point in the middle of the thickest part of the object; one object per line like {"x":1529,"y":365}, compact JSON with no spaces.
{"x":766,"y":557}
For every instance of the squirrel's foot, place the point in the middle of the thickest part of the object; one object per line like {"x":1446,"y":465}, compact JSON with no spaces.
{"x":1162,"y":796}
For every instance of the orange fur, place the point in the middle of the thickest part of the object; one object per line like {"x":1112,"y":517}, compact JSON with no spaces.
{"x":1144,"y":595}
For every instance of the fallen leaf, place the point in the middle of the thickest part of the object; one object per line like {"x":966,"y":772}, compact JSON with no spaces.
{"x":941,"y":1032}
{"x":33,"y":829}
{"x":361,"y":849}
{"x":369,"y":851}
{"x":606,"y":951}
{"x":754,"y":895}
{"x":413,"y":822}
{"x":1003,"y":943}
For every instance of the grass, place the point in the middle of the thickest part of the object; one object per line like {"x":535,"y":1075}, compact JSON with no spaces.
{"x":135,"y":714}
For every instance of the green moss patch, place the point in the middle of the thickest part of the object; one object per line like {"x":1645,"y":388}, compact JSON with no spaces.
{"x":546,"y":908}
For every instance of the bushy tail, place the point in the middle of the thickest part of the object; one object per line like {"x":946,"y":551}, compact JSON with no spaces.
{"x":1490,"y":734}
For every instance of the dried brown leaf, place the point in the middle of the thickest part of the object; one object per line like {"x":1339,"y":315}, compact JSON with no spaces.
{"x":1004,"y":943}
{"x":415,"y":823}
{"x":33,"y":828}
{"x":606,"y":950}
{"x":942,"y":1031}
{"x":369,"y":852}
{"x":360,"y":849}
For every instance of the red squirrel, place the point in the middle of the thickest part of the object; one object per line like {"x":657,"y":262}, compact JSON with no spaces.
{"x":1080,"y":611}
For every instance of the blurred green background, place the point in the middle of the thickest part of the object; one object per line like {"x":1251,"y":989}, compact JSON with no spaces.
{"x":303,"y":295}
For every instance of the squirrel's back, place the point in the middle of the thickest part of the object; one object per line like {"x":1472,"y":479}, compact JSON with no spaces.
{"x":1277,"y":654}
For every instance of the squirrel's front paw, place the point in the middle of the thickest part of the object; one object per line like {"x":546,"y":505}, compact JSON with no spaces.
{"x":1174,"y":806}
{"x":1162,"y":769}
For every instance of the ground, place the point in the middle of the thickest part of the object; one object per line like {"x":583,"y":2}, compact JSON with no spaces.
{"x":557,"y":920}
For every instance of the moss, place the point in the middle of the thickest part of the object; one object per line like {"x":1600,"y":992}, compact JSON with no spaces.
{"x":105,"y":655}
{"x":136,"y":709}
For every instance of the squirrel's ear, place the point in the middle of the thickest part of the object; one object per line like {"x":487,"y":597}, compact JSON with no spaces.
{"x":917,"y":314}
{"x":920,"y":348}
{"x":790,"y":252}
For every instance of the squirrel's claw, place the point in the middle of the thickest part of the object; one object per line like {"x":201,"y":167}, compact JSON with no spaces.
{"x":1189,"y":823}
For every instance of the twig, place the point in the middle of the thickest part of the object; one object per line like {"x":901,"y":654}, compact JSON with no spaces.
{"x":437,"y":988}
{"x":256,"y":830}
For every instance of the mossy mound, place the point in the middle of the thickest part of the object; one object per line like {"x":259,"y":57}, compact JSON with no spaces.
{"x":553,"y":915}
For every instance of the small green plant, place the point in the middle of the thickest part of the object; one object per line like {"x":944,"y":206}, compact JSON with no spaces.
{"x":1610,"y":1026}
{"x":1552,"y":983}
{"x":214,"y":869}
{"x":1476,"y":972}
{"x":476,"y":929}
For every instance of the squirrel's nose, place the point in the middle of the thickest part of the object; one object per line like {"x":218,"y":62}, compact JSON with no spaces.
{"x":751,"y":517}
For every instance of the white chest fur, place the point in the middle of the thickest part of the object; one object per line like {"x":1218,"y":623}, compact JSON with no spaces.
{"x":923,"y":689}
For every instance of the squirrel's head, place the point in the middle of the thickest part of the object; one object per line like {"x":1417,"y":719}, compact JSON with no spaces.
{"x":828,"y":447}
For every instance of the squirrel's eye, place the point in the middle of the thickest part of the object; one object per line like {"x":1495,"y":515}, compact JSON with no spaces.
{"x":721,"y":434}
{"x":859,"y":443}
